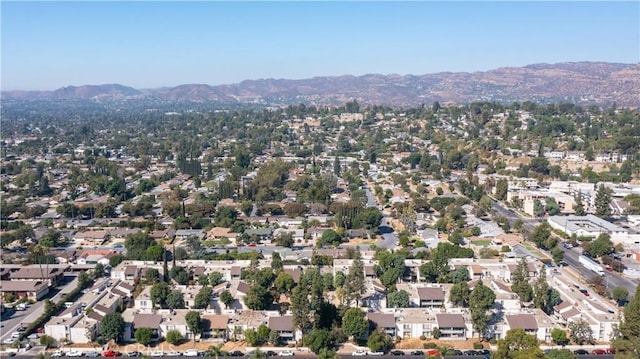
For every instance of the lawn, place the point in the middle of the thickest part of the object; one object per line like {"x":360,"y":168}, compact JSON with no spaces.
{"x":483,"y":243}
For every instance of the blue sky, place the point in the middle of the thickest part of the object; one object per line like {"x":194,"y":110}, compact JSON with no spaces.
{"x":47,"y":45}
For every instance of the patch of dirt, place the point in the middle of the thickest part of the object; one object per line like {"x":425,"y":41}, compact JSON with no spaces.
{"x":416,"y":343}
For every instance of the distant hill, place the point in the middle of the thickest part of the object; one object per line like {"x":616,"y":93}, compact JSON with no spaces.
{"x":577,"y":82}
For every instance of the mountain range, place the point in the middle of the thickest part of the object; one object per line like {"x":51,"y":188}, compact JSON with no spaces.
{"x":597,"y":83}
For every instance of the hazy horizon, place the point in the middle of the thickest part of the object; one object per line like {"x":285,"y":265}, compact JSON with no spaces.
{"x":148,"y":45}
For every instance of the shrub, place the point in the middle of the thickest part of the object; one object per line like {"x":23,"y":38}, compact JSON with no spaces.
{"x":430,"y":345}
{"x":422,"y":337}
{"x":493,"y":341}
{"x":478,"y":346}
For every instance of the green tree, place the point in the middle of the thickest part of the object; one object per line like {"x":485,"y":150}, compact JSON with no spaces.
{"x":355,"y":323}
{"x":284,"y":283}
{"x":620,"y":294}
{"x":194,"y":322}
{"x":47,"y":341}
{"x":559,"y":336}
{"x":354,"y":286}
{"x":379,"y":341}
{"x":327,"y":354}
{"x":551,"y":206}
{"x":398,"y":299}
{"x":174,"y":337}
{"x":519,"y":282}
{"x":159,"y":293}
{"x":603,"y":202}
{"x":558,"y":254}
{"x":600,"y":246}
{"x":258,"y":298}
{"x":317,"y":340}
{"x":502,"y":186}
{"x":251,"y":336}
{"x":116,"y":259}
{"x":480,"y":300}
{"x":112,"y":326}
{"x":203,"y":298}
{"x":628,"y":344}
{"x":276,"y":262}
{"x":538,"y":208}
{"x":459,"y":294}
{"x":226,"y":298}
{"x":578,"y":208}
{"x":263,"y":333}
{"x":580,"y":331}
{"x":518,"y":345}
{"x":175,"y":300}
{"x":143,"y":336}
{"x":300,"y":308}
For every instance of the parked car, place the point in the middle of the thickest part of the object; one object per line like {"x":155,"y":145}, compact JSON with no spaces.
{"x":359,"y":353}
{"x":469,"y":353}
{"x":158,"y":353}
{"x":33,"y":336}
{"x":236,"y":353}
{"x":457,"y":352}
{"x":271,"y":353}
{"x":173,"y":354}
{"x":92,"y":354}
{"x":417,"y":352}
{"x":75,"y":353}
{"x":397,"y":352}
{"x":375,"y":353}
{"x":134,"y":354}
{"x":57,"y":354}
{"x":111,"y":353}
{"x":585,"y":292}
{"x":286,"y":353}
{"x":191,"y":353}
{"x":433,"y":352}
{"x":15,"y":335}
{"x":8,"y":341}
{"x":611,"y":351}
{"x":599,"y":351}
{"x":580,"y":352}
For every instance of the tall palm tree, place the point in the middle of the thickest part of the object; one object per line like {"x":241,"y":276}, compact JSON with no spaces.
{"x":215,"y":350}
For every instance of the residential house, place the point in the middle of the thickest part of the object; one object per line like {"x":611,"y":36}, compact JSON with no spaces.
{"x":431,"y":297}
{"x":283,"y":325}
{"x":384,"y":321}
{"x":451,"y":326}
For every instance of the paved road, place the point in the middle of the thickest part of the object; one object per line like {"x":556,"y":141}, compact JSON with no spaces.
{"x":389,"y":236}
{"x":11,"y":322}
{"x":570,"y":255}
{"x":611,"y":280}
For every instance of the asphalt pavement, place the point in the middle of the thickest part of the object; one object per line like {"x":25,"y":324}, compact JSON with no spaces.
{"x":389,"y":237}
{"x":589,"y":356}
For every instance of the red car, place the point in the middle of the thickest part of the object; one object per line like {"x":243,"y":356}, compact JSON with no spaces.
{"x":599,"y":351}
{"x":611,"y":351}
{"x":432,"y":352}
{"x":111,"y":353}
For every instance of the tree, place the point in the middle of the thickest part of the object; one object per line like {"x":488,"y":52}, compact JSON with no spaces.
{"x":203,"y":298}
{"x":601,"y":246}
{"x":543,"y":294}
{"x":398,"y":299}
{"x":558,"y":255}
{"x":258,"y":298}
{"x":620,"y":294}
{"x":578,"y":208}
{"x":580,"y":331}
{"x":518,"y":345}
{"x":300,"y":308}
{"x":459,"y":294}
{"x":519,"y":283}
{"x":284,"y":283}
{"x":354,"y":285}
{"x":226,"y":298}
{"x":317,"y":340}
{"x":480,"y":300}
{"x":116,"y":259}
{"x":143,"y":336}
{"x":159,"y":293}
{"x":251,"y":336}
{"x":276,"y":262}
{"x":541,"y":236}
{"x":538,"y":208}
{"x":175,"y":300}
{"x":47,"y":340}
{"x":174,"y":337}
{"x":502,"y":186}
{"x":551,"y":206}
{"x":274,"y":337}
{"x":151,"y":276}
{"x":355,"y":323}
{"x":112,"y":326}
{"x":628,"y":344}
{"x":603,"y":202}
{"x":379,"y":341}
{"x":327,"y":354}
{"x":194,"y":322}
{"x":559,"y":336}
{"x":263,"y":333}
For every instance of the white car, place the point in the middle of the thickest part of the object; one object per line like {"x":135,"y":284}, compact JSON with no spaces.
{"x":173,"y":354}
{"x":191,"y":353}
{"x":33,"y":336}
{"x":286,"y":353}
{"x":8,"y":341}
{"x":158,"y":353}
{"x":57,"y":354}
{"x":359,"y":353}
{"x":75,"y":353}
